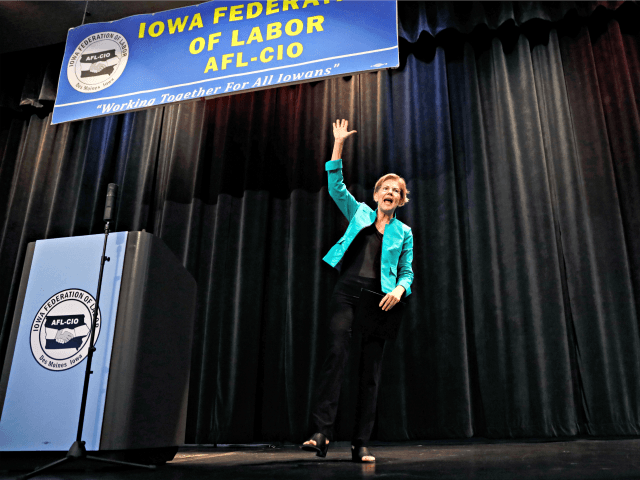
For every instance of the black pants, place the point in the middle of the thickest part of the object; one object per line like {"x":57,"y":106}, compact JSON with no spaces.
{"x":342,"y":310}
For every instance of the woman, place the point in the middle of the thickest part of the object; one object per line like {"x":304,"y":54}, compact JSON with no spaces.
{"x":375,"y":253}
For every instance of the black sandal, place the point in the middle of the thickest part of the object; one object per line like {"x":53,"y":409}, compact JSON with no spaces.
{"x":321,"y":446}
{"x":359,"y":452}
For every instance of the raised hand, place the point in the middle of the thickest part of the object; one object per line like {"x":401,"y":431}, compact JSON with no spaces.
{"x":340,"y":130}
{"x":341,"y":134}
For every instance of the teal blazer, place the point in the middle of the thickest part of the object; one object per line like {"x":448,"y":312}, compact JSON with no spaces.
{"x":397,"y":243}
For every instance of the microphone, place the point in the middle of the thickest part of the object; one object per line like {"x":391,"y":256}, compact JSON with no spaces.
{"x":110,"y":205}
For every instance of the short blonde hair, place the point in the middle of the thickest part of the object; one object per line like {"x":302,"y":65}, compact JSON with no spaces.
{"x":404,"y":193}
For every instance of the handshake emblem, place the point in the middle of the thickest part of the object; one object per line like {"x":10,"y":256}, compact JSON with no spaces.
{"x":63,"y":336}
{"x":98,"y":63}
{"x":65,"y":331}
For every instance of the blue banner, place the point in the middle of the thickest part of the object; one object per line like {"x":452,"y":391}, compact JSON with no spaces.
{"x":220,"y":48}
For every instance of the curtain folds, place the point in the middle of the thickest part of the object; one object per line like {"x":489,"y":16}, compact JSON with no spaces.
{"x":519,"y":142}
{"x":432,"y":18}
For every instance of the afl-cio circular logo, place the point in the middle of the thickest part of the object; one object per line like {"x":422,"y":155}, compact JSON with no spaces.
{"x":61,"y":331}
{"x":97,"y":62}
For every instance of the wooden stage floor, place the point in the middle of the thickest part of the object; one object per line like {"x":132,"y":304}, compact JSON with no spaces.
{"x":474,"y":459}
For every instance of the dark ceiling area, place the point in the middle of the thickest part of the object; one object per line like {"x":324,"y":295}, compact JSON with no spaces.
{"x":25,"y":25}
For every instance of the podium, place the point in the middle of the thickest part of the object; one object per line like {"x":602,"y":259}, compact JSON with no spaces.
{"x":137,"y":398}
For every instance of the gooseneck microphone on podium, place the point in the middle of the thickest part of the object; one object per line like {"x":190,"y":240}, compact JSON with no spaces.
{"x":78,"y":449}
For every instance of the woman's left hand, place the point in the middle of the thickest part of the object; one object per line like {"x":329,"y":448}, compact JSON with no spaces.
{"x":390,"y":299}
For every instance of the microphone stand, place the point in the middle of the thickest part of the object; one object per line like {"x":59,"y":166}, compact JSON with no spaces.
{"x":78,"y":450}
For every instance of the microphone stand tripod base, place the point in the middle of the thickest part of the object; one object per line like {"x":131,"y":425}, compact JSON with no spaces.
{"x":78,"y":452}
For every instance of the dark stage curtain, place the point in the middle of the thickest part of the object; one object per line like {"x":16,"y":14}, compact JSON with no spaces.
{"x":433,"y":18}
{"x":517,"y":128}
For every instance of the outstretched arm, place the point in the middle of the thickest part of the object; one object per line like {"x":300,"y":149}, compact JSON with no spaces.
{"x":337,"y":189}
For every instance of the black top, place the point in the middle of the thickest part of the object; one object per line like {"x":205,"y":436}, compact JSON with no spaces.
{"x":362,"y":258}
